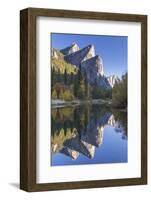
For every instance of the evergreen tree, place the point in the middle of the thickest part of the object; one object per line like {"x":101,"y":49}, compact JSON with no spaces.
{"x":76,"y":81}
{"x":86,"y":118}
{"x":52,"y":77}
{"x":65,"y":77}
{"x":58,"y":77}
{"x":76,"y":85}
{"x":87,"y":87}
{"x":119,"y":92}
{"x":71,"y":78}
{"x":79,"y":76}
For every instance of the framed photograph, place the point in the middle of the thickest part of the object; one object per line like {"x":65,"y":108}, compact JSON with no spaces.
{"x":83,"y":99}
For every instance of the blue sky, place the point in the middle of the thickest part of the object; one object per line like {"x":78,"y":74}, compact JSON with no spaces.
{"x":112,"y":49}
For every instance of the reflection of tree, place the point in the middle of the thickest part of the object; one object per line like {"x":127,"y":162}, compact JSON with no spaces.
{"x":121,"y":122}
{"x":80,"y":129}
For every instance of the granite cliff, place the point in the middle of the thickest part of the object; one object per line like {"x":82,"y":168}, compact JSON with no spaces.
{"x":90,"y":64}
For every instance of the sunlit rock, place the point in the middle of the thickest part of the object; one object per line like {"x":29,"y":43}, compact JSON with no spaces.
{"x":112,"y":79}
{"x":90,"y":148}
{"x":76,"y":58}
{"x":111,"y":121}
{"x":69,"y":152}
{"x":71,"y":49}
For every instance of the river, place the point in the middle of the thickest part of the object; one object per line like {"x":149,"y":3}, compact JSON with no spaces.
{"x":88,"y":134}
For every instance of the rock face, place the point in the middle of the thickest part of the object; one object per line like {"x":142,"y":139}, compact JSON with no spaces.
{"x":92,"y":69}
{"x":71,"y":49}
{"x":54,"y":54}
{"x":89,"y":138}
{"x":112,"y":79}
{"x":91,"y":65}
{"x":76,"y":58}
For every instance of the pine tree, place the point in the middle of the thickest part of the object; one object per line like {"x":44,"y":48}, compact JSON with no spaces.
{"x":86,"y":86}
{"x":119,"y":92}
{"x":77,"y":82}
{"x":65,"y":77}
{"x":75,"y":87}
{"x":79,"y":75}
{"x":71,"y":78}
{"x":52,"y":77}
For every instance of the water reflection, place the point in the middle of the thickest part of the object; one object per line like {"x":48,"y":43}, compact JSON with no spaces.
{"x":78,"y":135}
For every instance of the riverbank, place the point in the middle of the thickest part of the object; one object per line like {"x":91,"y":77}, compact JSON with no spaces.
{"x":62,"y":103}
{"x":104,"y":102}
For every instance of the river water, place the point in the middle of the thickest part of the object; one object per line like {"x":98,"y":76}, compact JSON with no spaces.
{"x":88,"y":134}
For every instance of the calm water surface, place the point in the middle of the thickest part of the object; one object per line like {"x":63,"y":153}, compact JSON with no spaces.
{"x":90,"y":134}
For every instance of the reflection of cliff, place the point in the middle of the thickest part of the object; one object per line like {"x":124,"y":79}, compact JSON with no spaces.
{"x":69,"y":152}
{"x":80,"y":133}
{"x":75,"y":144}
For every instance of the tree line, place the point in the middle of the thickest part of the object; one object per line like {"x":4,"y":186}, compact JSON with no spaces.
{"x":75,"y":86}
{"x":119,"y":92}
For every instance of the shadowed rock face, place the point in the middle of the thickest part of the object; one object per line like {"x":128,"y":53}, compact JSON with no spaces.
{"x":89,"y":138}
{"x":90,"y":64}
{"x":71,"y":153}
{"x":77,"y":145}
{"x":71,"y":49}
{"x":92,"y":69}
{"x":94,"y":130}
{"x":78,"y":57}
{"x":93,"y":66}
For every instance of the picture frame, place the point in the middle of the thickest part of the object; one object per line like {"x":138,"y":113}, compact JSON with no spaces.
{"x":28,"y":98}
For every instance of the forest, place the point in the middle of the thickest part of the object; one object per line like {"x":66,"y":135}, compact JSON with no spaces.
{"x":68,"y":84}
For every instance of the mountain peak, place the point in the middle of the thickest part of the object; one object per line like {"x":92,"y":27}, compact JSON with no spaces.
{"x":74,"y":44}
{"x":91,"y":65}
{"x":112,"y":79}
{"x":77,"y":57}
{"x":70,"y":49}
{"x":91,"y":52}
